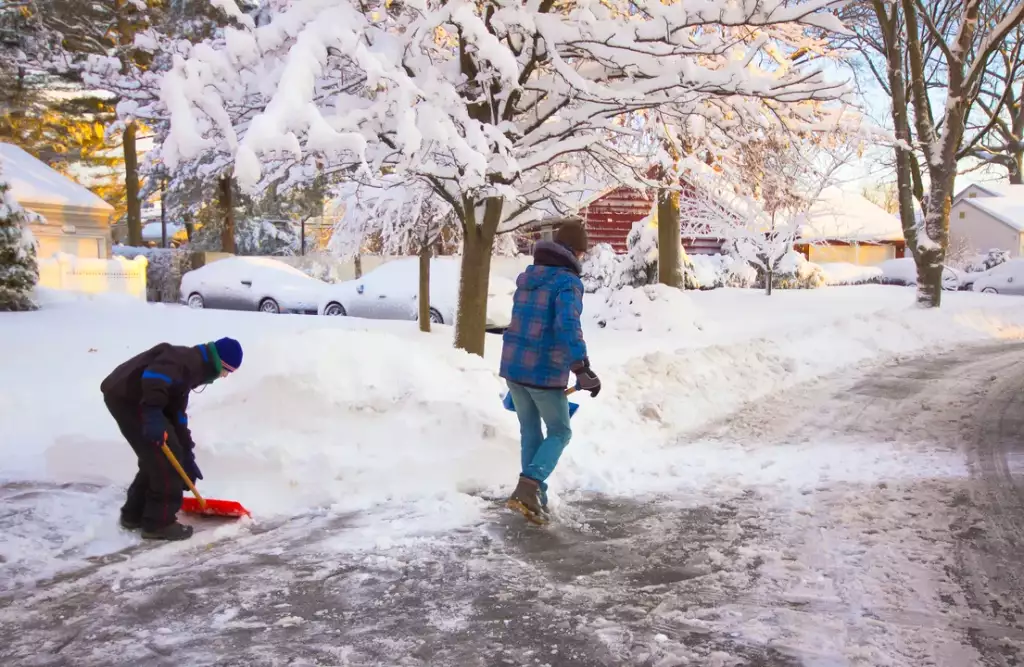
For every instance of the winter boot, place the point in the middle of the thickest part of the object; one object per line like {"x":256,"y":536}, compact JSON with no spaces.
{"x":128,"y":523}
{"x":171,"y":532}
{"x":526,"y":500}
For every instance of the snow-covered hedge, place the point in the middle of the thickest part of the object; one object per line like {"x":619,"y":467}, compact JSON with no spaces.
{"x":164,"y":271}
{"x":843,"y":273}
{"x":657,"y":309}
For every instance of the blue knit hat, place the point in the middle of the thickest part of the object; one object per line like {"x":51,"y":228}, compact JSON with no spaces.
{"x":230,"y":352}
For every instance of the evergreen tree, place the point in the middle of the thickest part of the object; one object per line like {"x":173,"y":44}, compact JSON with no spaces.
{"x":19,"y":272}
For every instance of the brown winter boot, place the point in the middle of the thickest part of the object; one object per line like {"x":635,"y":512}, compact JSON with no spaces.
{"x":526,"y":500}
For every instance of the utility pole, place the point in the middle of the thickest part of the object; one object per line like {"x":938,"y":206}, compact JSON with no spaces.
{"x":163,"y":213}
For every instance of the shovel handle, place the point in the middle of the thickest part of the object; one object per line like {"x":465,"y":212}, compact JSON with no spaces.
{"x":570,"y":391}
{"x":184,"y":476}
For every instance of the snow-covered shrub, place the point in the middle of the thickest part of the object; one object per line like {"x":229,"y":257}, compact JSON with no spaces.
{"x":640,"y":263}
{"x":603,"y":268}
{"x":19,"y":272}
{"x":163,"y":272}
{"x":657,"y":309}
{"x":844,"y":273}
{"x":795,"y":272}
{"x":989,"y":260}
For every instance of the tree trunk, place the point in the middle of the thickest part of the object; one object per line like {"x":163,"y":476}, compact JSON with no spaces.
{"x":1017,"y":170}
{"x":669,"y":241}
{"x":769,"y":278}
{"x":227,"y":204}
{"x":357,"y":262}
{"x":478,"y":243}
{"x":131,"y":176}
{"x":424,"y":305}
{"x":930,"y":260}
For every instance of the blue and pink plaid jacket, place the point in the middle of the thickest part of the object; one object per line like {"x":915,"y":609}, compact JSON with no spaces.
{"x":545,"y":338}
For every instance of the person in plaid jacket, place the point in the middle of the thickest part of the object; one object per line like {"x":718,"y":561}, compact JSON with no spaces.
{"x":542,"y":344}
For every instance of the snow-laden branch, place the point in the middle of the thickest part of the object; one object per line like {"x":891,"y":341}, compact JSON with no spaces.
{"x":480,"y":100}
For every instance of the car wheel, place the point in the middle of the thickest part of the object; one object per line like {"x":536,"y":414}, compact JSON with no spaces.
{"x":989,"y":290}
{"x":435,"y":317}
{"x":335,"y":310}
{"x":195,"y":300}
{"x":269,"y":306}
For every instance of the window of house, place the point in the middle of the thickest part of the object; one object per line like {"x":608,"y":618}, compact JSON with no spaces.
{"x":962,"y":215}
{"x":972,"y":195}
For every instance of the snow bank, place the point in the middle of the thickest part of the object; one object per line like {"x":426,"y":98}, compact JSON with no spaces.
{"x":843,"y":273}
{"x":656,"y":309}
{"x":350,"y":419}
{"x":651,"y":401}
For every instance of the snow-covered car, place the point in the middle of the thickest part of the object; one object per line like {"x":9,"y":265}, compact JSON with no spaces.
{"x":391,"y":292}
{"x":1007,"y":278}
{"x":903,"y":271}
{"x":252,"y":283}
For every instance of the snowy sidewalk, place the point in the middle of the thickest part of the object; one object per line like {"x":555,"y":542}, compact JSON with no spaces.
{"x":838,"y":545}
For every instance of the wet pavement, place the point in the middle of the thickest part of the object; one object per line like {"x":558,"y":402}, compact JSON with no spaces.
{"x":652,"y":582}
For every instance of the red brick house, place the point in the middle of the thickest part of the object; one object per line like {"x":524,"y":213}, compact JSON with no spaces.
{"x":609,"y":217}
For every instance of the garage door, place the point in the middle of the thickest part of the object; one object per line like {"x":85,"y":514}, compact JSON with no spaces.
{"x":79,"y":246}
{"x":865,"y":255}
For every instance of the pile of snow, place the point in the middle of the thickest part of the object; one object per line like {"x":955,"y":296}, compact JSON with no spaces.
{"x":655,"y":398}
{"x":365,"y":419}
{"x":654,"y":309}
{"x":844,"y":273}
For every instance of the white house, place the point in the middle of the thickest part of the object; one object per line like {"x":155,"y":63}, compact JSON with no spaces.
{"x":73,"y":219}
{"x":987,"y":216}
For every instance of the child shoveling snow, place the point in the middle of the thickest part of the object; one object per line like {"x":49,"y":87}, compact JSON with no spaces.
{"x":148,"y":398}
{"x":542,"y":344}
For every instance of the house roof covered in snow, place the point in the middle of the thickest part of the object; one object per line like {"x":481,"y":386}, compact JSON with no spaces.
{"x":34,"y":183}
{"x":838,"y":215}
{"x":1008,"y":210}
{"x":997,"y":190}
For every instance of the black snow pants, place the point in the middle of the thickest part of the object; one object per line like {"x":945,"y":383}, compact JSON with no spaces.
{"x":154,"y":496}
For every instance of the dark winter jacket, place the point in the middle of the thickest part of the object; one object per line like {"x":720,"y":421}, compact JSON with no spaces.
{"x":545,"y":338}
{"x":159,"y":381}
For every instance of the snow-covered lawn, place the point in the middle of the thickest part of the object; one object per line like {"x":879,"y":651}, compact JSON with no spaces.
{"x":339,"y":415}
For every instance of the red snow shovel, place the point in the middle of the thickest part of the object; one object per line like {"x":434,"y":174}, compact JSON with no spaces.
{"x":511,"y":407}
{"x":200,"y":505}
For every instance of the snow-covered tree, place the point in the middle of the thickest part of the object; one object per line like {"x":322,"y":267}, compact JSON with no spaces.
{"x":406,"y":216}
{"x":758,"y":202}
{"x":19,"y":272}
{"x":488,"y":102}
{"x":939,"y":62}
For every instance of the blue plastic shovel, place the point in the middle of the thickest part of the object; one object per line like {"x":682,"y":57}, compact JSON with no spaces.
{"x":573,"y":407}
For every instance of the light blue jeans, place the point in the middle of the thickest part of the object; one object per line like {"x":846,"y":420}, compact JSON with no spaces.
{"x":540,"y":454}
